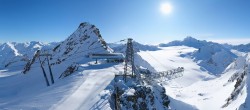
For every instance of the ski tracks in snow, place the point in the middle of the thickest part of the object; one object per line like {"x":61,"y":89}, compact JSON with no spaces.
{"x":88,"y":93}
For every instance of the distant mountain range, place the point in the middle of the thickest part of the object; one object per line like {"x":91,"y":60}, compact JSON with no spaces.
{"x":12,"y":53}
{"x":214,"y":57}
{"x":206,"y":60}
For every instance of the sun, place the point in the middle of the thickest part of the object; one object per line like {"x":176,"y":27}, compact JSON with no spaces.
{"x":166,"y":8}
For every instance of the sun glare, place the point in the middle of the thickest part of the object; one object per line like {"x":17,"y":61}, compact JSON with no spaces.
{"x":166,"y":8}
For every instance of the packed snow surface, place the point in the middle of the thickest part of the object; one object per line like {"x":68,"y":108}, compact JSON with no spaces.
{"x":89,"y":91}
{"x":83,"y":90}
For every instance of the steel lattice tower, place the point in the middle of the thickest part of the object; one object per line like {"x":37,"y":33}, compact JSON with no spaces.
{"x":129,"y":60}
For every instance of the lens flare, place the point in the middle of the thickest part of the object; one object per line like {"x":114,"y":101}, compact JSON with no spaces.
{"x":166,"y":8}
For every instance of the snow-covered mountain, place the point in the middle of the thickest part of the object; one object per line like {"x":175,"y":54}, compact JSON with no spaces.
{"x":242,"y":47}
{"x":17,"y":54}
{"x":214,"y":58}
{"x":246,"y":85}
{"x":137,"y":47}
{"x":211,"y":56}
{"x":188,"y":41}
{"x":215,"y":77}
{"x":66,"y":58}
{"x":86,"y":38}
{"x":197,"y":86}
{"x":84,"y":41}
{"x":76,"y":48}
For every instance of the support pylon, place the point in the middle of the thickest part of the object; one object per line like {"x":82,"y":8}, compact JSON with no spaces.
{"x":129,"y":60}
{"x":50,"y":70}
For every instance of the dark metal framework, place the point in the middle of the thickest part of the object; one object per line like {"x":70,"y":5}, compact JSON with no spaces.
{"x":129,"y":60}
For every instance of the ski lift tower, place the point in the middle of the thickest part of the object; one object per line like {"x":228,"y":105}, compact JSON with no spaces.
{"x":129,"y":60}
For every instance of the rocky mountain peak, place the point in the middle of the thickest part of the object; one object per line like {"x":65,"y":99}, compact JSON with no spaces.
{"x":86,"y":38}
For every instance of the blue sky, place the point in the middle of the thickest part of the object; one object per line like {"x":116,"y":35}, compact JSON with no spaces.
{"x":55,"y":20}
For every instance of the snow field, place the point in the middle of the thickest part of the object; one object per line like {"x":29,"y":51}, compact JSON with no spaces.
{"x":197,"y":87}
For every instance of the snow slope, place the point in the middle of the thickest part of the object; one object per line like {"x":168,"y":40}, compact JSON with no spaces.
{"x":29,"y":91}
{"x":197,"y":86}
{"x":82,"y":90}
{"x":212,"y":56}
{"x":170,"y":58}
{"x":246,"y":104}
{"x":89,"y":92}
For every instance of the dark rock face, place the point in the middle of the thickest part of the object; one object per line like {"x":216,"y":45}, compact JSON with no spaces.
{"x":144,"y":98}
